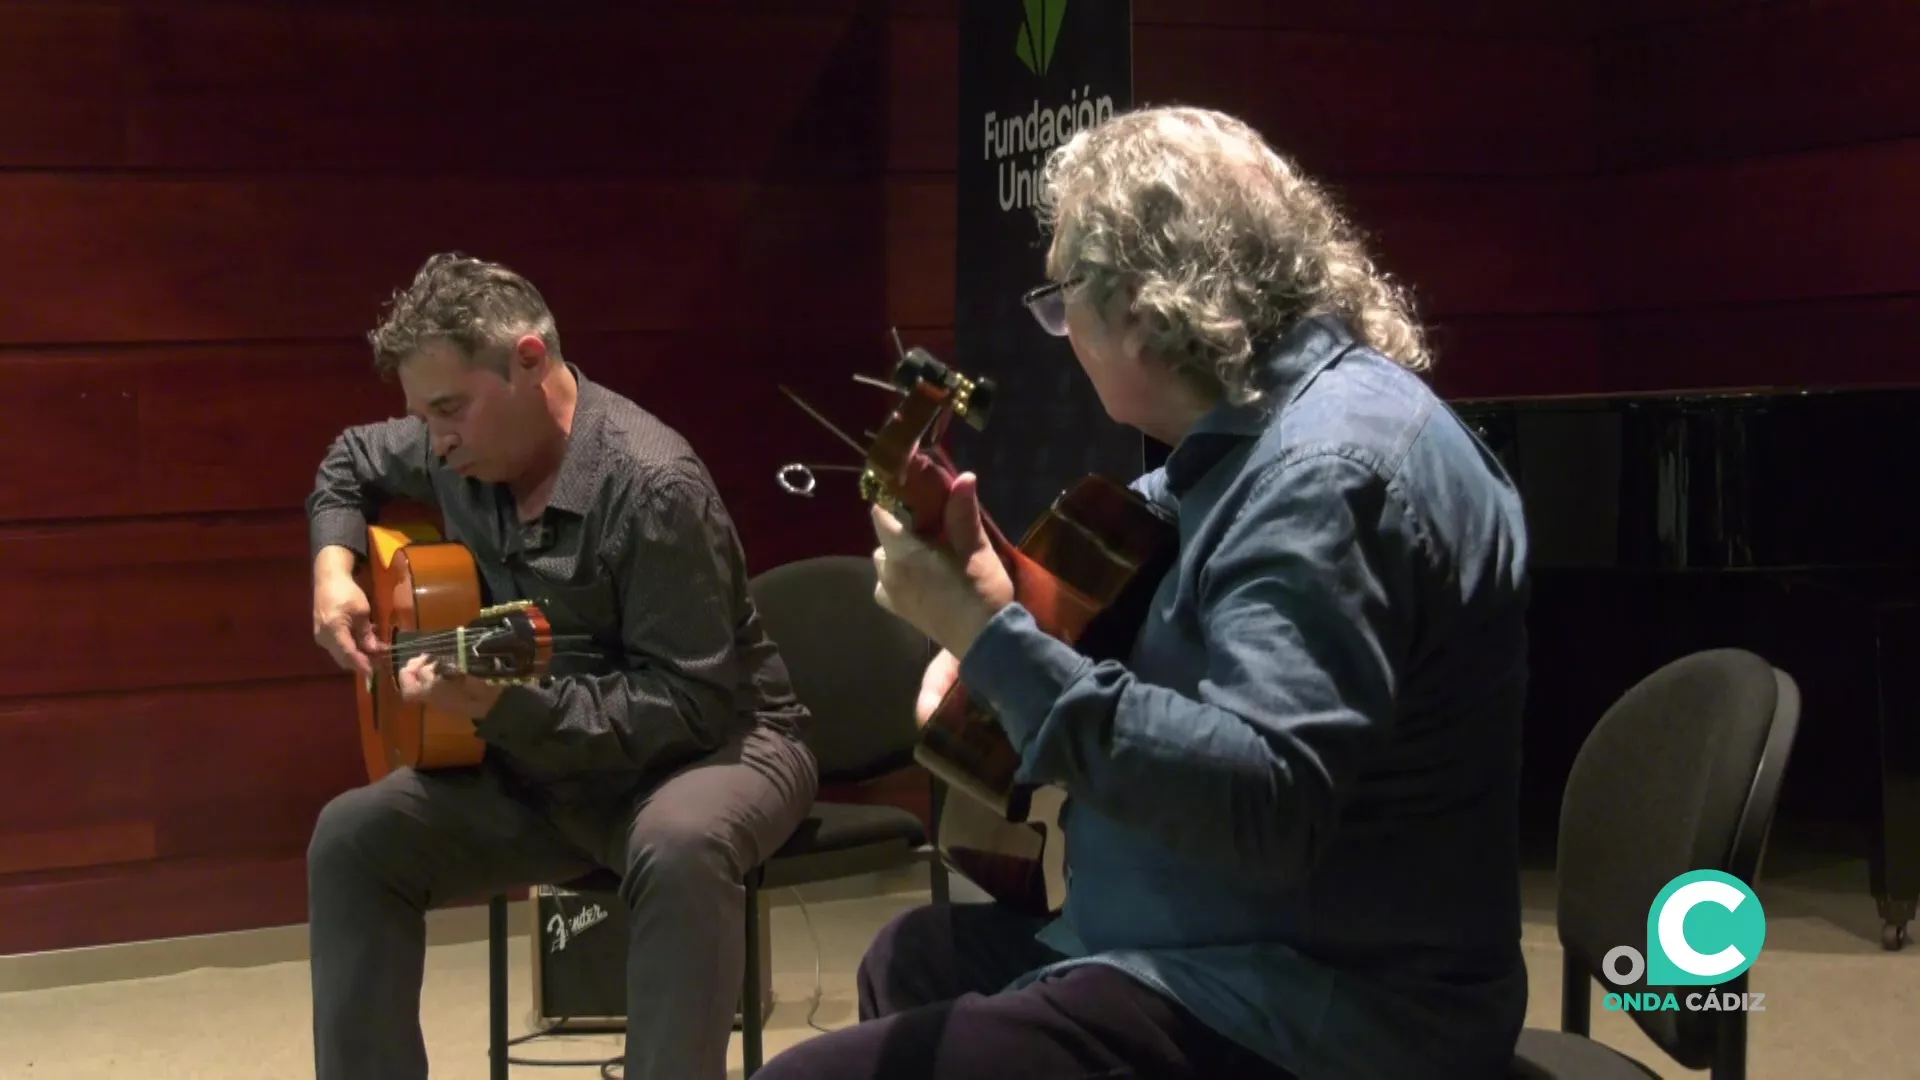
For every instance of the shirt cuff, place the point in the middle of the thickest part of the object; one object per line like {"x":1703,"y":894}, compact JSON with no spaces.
{"x":337,"y":527}
{"x":1021,"y":671}
{"x":519,"y":714}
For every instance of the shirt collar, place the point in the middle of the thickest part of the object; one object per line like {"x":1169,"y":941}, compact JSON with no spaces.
{"x":1281,"y":372}
{"x":575,"y":485}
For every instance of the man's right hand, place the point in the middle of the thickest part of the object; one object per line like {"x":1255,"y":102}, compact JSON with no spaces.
{"x":342,"y":623}
{"x":941,"y":674}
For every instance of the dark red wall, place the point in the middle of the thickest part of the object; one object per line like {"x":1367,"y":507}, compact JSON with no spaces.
{"x":1761,"y":162}
{"x":202,"y":206}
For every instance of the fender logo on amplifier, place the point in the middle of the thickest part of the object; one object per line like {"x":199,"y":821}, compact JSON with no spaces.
{"x":562,"y":930}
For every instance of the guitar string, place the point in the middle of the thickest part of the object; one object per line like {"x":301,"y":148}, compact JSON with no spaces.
{"x":402,"y":656}
{"x":441,"y":638}
{"x":396,"y":660}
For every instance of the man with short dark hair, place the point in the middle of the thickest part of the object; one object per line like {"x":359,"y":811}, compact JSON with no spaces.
{"x":673,"y":755}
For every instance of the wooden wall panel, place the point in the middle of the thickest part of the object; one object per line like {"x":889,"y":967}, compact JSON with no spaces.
{"x":206,"y":768}
{"x":280,"y":88}
{"x":1757,"y":219}
{"x":1426,"y":19}
{"x":115,"y":258}
{"x":1493,"y":355}
{"x":1408,"y":106}
{"x":1775,"y":229}
{"x":71,"y":848}
{"x":922,"y":230}
{"x":1852,"y":342}
{"x":222,"y":783}
{"x":281,"y":85}
{"x":1763,"y":79}
{"x":1481,"y":246}
{"x":200,"y":428}
{"x":923,"y":96}
{"x":203,"y":207}
{"x":176,"y":429}
{"x":1627,"y":17}
{"x":164,"y":602}
{"x":159,"y":899}
{"x":61,"y":68}
{"x":1436,"y":19}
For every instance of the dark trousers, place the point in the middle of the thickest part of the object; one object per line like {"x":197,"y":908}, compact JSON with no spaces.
{"x":383,"y":854}
{"x":933,"y":1007}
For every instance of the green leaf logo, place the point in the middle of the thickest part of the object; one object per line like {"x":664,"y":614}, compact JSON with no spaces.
{"x":1039,"y":34}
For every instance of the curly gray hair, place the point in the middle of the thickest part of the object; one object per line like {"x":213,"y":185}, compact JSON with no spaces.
{"x":1224,"y":242}
{"x":476,"y":305}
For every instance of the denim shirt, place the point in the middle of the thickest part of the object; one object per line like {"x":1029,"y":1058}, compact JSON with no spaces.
{"x":1294,"y":809}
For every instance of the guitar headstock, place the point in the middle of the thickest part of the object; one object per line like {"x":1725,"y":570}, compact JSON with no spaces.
{"x":505,"y":643}
{"x":906,"y":471}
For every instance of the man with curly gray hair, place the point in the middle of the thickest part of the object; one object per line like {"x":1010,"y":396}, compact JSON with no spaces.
{"x":1293,"y":810}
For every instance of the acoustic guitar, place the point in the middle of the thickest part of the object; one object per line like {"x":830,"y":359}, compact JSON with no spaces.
{"x":425,"y":598}
{"x":1086,"y":571}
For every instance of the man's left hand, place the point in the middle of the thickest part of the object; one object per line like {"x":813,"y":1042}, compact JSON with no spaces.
{"x":948,"y":594}
{"x":421,"y":681}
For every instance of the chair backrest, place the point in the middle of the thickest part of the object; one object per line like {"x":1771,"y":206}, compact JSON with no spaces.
{"x":854,"y":665}
{"x":1682,"y":773}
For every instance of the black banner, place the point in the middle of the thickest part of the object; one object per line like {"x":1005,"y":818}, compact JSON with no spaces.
{"x":1032,"y":72}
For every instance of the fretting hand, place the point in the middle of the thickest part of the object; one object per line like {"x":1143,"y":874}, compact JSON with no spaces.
{"x":947,"y":595}
{"x":938,"y":679}
{"x":422,"y":680}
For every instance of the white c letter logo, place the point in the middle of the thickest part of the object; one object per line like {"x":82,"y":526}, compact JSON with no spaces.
{"x":1673,"y":918}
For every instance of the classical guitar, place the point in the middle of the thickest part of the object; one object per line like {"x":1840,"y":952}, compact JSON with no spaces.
{"x":425,"y":598}
{"x":1086,"y":570}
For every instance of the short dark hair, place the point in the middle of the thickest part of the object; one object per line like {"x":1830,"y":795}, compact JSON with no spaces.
{"x":467,"y":302}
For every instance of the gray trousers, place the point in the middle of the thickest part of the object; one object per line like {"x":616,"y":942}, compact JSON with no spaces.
{"x":383,"y":854}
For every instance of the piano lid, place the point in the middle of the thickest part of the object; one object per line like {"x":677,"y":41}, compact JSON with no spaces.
{"x":1764,"y":478}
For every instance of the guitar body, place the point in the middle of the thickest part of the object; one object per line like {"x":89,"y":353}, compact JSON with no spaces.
{"x":418,"y":584}
{"x":1087,"y":571}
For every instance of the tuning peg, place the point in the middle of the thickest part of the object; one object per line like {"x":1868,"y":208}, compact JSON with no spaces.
{"x":981,"y":394}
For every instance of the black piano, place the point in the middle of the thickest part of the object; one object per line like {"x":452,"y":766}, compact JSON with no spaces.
{"x":1782,"y":521}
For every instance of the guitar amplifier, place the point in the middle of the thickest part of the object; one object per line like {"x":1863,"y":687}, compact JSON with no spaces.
{"x":579,"y":966}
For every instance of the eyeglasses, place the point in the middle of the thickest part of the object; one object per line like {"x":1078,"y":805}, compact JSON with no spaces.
{"x":1049,"y":305}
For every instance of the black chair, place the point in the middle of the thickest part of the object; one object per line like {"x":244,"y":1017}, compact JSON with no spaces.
{"x":1683,"y":773}
{"x":857,"y":668}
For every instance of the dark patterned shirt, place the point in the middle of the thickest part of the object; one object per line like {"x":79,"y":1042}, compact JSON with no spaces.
{"x":634,"y":548}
